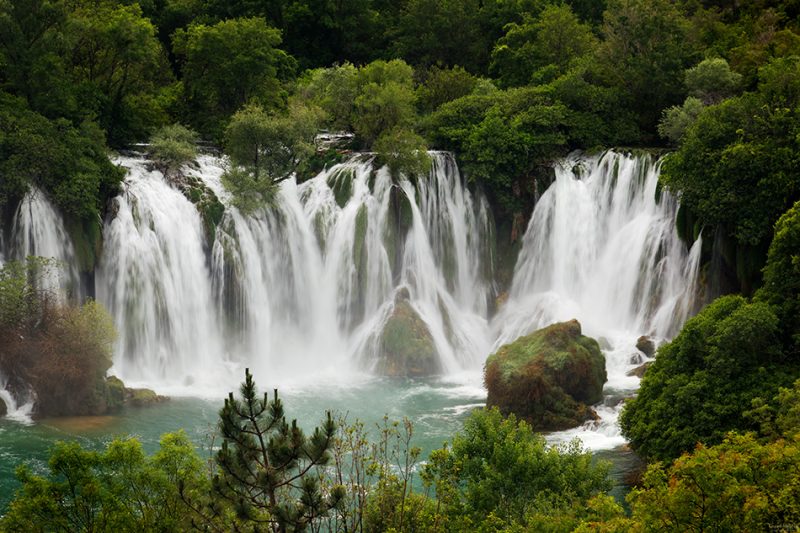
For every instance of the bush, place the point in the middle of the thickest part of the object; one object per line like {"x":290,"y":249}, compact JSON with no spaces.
{"x":739,"y":485}
{"x":173,"y":146}
{"x":266,"y":149}
{"x":118,"y":489}
{"x":703,"y":381}
{"x":499,"y":471}
{"x":782,"y":276}
{"x":61,"y":351}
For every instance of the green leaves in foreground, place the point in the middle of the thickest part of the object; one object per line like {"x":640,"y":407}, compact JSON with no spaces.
{"x":499,"y":469}
{"x":118,"y":489}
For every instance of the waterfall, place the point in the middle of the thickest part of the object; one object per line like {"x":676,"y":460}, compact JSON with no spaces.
{"x":303,"y":288}
{"x":155,"y":281}
{"x":300,"y":288}
{"x":38,"y":229}
{"x":601,"y":246}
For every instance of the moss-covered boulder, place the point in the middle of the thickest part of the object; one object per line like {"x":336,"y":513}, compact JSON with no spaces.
{"x":549,"y":378}
{"x":142,"y":397}
{"x":116,"y":393}
{"x":3,"y":408}
{"x":406,"y":347}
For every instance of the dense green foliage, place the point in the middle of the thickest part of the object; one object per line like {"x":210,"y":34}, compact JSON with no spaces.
{"x":266,"y":149}
{"x":415,"y":74}
{"x":173,"y":146}
{"x":782,"y":277}
{"x":227,"y":65}
{"x":118,"y":489}
{"x":739,"y":485}
{"x":737,"y":164}
{"x":269,"y":476}
{"x":703,"y":381}
{"x":499,"y":472}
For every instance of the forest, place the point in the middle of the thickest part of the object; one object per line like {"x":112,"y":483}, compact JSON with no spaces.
{"x":506,"y":86}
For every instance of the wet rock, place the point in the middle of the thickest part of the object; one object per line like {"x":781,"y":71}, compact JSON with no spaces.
{"x":501,"y":300}
{"x":646,"y":345}
{"x":142,"y":397}
{"x":406,"y":347}
{"x":636,"y":358}
{"x":3,"y":408}
{"x":549,"y":378}
{"x":639,"y":370}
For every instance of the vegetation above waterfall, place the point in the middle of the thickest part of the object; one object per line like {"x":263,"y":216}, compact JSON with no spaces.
{"x":520,"y":83}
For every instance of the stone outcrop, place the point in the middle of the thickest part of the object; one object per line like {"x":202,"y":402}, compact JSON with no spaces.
{"x":549,"y":378}
{"x":406,"y":347}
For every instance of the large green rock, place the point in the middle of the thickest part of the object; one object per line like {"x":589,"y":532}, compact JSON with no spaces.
{"x":549,"y":378}
{"x":406,"y":348}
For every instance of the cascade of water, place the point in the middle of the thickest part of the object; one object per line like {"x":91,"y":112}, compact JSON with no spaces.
{"x":18,"y":409}
{"x":602,"y":247}
{"x":155,"y":281}
{"x":38,"y":229}
{"x":302,"y":287}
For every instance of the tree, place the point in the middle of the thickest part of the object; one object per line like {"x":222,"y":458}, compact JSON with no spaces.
{"x":385,"y":99}
{"x":498,"y":470}
{"x":737,"y":166}
{"x":740,"y":484}
{"x":781,"y":287}
{"x":441,"y":85}
{"x":119,"y":69}
{"x":266,"y":149}
{"x":503,"y":137}
{"x":70,"y":163}
{"x":403,"y":151}
{"x":60,"y":351}
{"x":423,"y":25}
{"x":227,"y":65}
{"x":118,"y":489}
{"x":555,"y":38}
{"x":173,"y":146}
{"x":676,"y":120}
{"x":712,"y":80}
{"x":645,"y":52}
{"x":33,"y":46}
{"x":702,"y":382}
{"x":269,"y":469}
{"x":334,"y":90}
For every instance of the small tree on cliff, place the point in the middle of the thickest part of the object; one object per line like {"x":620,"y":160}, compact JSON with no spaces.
{"x":266,"y":148}
{"x":269,"y":469}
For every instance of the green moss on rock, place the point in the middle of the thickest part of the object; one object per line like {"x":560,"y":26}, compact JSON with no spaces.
{"x":549,"y":378}
{"x":142,"y":397}
{"x":406,"y":346}
{"x":116,"y":393}
{"x":208,"y":205}
{"x":3,"y":408}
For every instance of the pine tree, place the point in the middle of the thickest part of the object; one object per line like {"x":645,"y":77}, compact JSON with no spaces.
{"x":268,"y":469}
